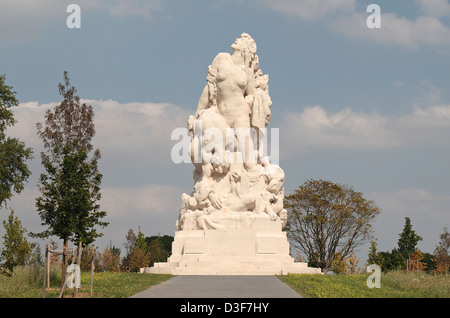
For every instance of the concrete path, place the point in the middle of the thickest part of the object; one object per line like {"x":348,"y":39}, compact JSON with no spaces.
{"x":200,"y":286}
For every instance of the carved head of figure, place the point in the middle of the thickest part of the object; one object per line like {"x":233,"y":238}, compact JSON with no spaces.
{"x":246,"y":46}
{"x":218,"y":166}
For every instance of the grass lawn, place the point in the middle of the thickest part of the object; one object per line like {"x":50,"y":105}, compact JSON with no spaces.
{"x":27,"y":282}
{"x":393,"y":285}
{"x":116,"y":285}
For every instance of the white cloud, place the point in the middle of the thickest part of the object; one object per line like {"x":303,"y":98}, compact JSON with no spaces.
{"x":149,"y":199}
{"x":136,"y":127}
{"x":310,"y":9}
{"x":139,"y":128}
{"x":425,"y":30}
{"x":314,"y":127}
{"x":427,"y":210}
{"x":22,"y":19}
{"x":142,"y":132}
{"x":128,"y":8}
{"x":134,"y":140}
{"x":427,"y":94}
{"x":136,"y":134}
{"x":150,"y":206}
{"x":342,"y":17}
{"x":414,"y":201}
{"x":437,"y":117}
{"x":19,"y":19}
{"x":434,"y":7}
{"x":27,"y":115}
{"x":398,"y":83}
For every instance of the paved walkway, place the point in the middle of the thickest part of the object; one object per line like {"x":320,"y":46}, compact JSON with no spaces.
{"x":200,"y":286}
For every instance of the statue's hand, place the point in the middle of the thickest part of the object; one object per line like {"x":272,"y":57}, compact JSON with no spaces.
{"x":249,"y":100}
{"x":215,"y":201}
{"x":190,"y":123}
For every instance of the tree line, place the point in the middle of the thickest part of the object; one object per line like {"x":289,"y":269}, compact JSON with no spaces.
{"x":327,"y":222}
{"x":140,"y":251}
{"x":406,"y":256}
{"x":70,"y":186}
{"x":70,"y":189}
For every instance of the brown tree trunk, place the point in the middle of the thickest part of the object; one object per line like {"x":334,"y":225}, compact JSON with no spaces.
{"x":64,"y":265}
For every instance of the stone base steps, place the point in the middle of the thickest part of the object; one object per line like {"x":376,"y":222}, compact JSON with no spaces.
{"x":254,"y":251}
{"x":238,"y":268}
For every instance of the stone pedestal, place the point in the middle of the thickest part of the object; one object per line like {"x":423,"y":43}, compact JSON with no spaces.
{"x":260,"y":248}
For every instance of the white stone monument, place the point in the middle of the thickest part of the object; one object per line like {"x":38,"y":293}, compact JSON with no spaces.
{"x":231,"y":224}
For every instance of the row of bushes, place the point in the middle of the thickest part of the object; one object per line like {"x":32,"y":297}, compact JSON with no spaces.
{"x":140,"y":251}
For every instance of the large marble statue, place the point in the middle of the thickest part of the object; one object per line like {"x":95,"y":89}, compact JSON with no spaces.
{"x":231,"y":223}
{"x":233,"y":183}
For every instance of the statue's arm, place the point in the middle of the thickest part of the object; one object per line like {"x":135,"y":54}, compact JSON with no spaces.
{"x":203,"y":101}
{"x":251,"y":87}
{"x":251,"y":83}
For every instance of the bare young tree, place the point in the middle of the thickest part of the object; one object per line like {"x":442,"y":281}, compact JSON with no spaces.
{"x":70,"y":124}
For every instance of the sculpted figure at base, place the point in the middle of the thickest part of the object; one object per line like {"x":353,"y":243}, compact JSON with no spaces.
{"x":233,"y":183}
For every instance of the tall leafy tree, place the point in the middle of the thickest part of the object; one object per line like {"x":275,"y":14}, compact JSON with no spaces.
{"x":374,"y":256}
{"x":130,"y":242}
{"x":326,"y":220}
{"x":442,"y":253}
{"x":70,"y":186}
{"x":408,"y":239}
{"x":139,"y":255}
{"x":160,"y":247}
{"x":397,"y":258}
{"x":14,"y":171}
{"x":393,"y":260}
{"x":16,"y":248}
{"x":111,"y":259}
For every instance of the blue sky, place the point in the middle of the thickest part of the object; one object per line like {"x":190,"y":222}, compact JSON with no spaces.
{"x":365,"y":107}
